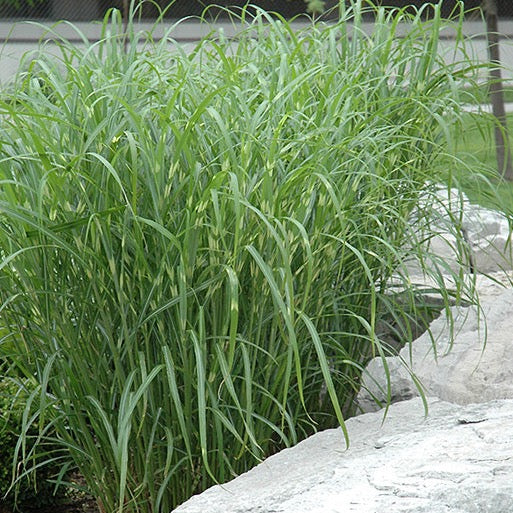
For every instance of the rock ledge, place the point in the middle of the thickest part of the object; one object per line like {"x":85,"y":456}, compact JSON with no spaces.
{"x":459,"y":459}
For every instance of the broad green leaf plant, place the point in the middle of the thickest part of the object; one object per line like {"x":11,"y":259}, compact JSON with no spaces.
{"x":196,"y":245}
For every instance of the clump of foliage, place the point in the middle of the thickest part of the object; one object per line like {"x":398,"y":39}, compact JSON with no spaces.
{"x":11,"y":411}
{"x":34,"y":489}
{"x":315,"y":6}
{"x":196,"y":244}
{"x":18,"y":3}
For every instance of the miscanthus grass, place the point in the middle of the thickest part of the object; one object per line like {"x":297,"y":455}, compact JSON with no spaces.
{"x":195,"y":247}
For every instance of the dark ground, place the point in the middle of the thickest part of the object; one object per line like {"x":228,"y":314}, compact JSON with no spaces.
{"x":86,"y":505}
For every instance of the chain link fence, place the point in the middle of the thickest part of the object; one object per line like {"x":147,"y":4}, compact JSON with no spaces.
{"x":87,"y":10}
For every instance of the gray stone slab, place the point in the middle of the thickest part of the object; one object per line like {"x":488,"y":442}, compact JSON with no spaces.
{"x":466,"y":362}
{"x":459,"y":459}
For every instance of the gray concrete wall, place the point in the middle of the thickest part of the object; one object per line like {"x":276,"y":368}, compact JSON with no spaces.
{"x":19,"y":40}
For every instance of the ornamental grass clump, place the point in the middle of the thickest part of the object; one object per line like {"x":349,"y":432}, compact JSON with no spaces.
{"x":195,"y":246}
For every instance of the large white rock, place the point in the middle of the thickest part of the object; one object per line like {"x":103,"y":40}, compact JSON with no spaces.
{"x":466,"y":234}
{"x":489,"y":236}
{"x":457,"y":460}
{"x":463,"y":362}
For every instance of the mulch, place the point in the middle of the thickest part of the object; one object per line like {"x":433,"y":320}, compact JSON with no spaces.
{"x":78,"y":506}
{"x":86,"y":505}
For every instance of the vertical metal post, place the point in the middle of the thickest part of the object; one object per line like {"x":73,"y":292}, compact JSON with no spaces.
{"x":496,"y":93}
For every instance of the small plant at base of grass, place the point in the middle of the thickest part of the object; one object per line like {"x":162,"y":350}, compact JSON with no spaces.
{"x":196,"y":247}
{"x":36,"y":489}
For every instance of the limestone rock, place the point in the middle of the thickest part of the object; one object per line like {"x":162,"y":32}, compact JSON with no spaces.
{"x":457,"y":460}
{"x":489,"y":237}
{"x":466,"y":234}
{"x":473,"y":366}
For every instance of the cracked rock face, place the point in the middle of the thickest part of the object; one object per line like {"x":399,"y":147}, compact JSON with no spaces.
{"x":487,"y":234}
{"x":459,"y":459}
{"x":471,"y":364}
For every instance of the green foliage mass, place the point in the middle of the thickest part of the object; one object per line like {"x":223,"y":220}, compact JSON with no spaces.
{"x":18,"y":3}
{"x":315,"y":6}
{"x":11,"y":410}
{"x":34,"y":490}
{"x":196,"y":243}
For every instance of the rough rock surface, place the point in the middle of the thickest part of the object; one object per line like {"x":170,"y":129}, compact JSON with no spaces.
{"x":485,"y":234}
{"x":474,"y":365}
{"x":457,"y":460}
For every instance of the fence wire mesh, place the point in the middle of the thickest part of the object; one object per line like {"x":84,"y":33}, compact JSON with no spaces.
{"x":87,"y":10}
{"x":80,"y":10}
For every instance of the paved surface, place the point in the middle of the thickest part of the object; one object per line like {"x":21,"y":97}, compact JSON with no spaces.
{"x":487,"y":107}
